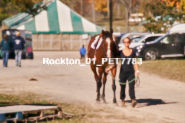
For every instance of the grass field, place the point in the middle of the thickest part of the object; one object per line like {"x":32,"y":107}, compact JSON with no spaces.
{"x":119,"y":24}
{"x":168,"y":68}
{"x":81,"y":113}
{"x":31,"y":99}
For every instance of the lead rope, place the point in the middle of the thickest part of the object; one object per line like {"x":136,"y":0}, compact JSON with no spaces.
{"x":137,"y":80}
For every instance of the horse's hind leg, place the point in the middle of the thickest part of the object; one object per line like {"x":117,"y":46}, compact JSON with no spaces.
{"x":104,"y":82}
{"x":93,"y":68}
{"x":114,"y":84}
{"x":98,"y":81}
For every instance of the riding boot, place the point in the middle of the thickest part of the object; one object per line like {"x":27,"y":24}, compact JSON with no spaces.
{"x":123,"y":103}
{"x":134,"y":103}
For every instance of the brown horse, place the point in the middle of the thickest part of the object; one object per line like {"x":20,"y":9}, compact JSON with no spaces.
{"x":102,"y":46}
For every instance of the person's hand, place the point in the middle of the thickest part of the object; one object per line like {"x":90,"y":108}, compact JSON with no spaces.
{"x":107,"y":70}
{"x":137,"y":73}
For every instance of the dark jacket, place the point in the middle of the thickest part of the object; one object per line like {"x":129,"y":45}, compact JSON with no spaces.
{"x":5,"y":45}
{"x":19,"y":43}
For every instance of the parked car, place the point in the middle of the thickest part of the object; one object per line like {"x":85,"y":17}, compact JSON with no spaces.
{"x":144,"y":39}
{"x":170,"y":45}
{"x":118,"y":35}
{"x":27,"y":35}
{"x":132,"y":35}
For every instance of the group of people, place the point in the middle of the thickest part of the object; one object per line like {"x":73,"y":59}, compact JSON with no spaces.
{"x":18,"y":45}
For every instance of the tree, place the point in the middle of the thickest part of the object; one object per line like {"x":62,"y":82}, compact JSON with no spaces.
{"x":101,"y":6}
{"x":13,"y":7}
{"x":162,"y":17}
{"x":128,"y":8}
{"x":182,"y":5}
{"x":7,"y":9}
{"x":173,"y":3}
{"x":29,"y":6}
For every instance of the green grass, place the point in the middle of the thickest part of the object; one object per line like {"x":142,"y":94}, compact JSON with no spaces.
{"x":31,"y":99}
{"x":168,"y":68}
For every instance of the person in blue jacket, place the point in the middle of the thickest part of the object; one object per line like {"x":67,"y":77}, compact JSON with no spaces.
{"x":5,"y":47}
{"x":82,"y":52}
{"x":19,"y":43}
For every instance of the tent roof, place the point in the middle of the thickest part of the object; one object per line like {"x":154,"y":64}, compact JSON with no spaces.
{"x":16,"y":20}
{"x":58,"y":18}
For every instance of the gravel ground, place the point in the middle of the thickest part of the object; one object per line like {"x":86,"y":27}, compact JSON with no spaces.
{"x":159,"y":100}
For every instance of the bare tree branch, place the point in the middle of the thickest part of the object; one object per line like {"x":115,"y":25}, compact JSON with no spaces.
{"x":128,"y":8}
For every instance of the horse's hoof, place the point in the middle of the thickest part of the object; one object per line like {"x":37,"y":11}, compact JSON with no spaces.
{"x":102,"y":96}
{"x":114,"y":101}
{"x":98,"y":100}
{"x":104,"y":101}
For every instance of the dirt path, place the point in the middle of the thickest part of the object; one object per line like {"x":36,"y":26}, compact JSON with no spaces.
{"x":160,"y":100}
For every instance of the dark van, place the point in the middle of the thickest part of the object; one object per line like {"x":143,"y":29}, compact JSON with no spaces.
{"x":170,"y":45}
{"x":27,"y":35}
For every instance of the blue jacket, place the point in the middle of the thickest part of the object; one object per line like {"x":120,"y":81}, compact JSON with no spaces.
{"x":19,"y":43}
{"x":82,"y":51}
{"x":5,"y":45}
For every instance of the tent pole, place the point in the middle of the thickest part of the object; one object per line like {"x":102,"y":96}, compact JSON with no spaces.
{"x":37,"y":40}
{"x":60,"y":41}
{"x":51,"y":41}
{"x":41,"y":41}
{"x":80,"y":44}
{"x":70,"y":41}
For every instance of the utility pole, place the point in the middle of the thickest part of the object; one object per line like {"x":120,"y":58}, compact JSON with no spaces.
{"x":110,"y":17}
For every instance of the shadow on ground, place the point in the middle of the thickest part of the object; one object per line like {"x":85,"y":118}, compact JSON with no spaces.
{"x":151,"y":102}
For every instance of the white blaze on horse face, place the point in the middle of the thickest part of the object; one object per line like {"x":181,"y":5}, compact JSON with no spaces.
{"x":108,"y":47}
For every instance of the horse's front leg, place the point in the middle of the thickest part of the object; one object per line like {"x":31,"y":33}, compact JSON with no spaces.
{"x":113,"y":71}
{"x":104,"y":82}
{"x":99,"y":84}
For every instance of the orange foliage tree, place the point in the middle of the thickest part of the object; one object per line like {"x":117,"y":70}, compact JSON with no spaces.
{"x":173,"y":3}
{"x":101,"y":6}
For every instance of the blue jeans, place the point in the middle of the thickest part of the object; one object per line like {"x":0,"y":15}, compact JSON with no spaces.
{"x":18,"y":55}
{"x":5,"y":54}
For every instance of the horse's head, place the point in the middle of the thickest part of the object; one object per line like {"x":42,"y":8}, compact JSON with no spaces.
{"x":109,"y":43}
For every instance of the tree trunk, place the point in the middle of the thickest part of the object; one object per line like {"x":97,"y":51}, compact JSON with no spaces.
{"x":128,"y":8}
{"x":118,"y":9}
{"x":82,"y":8}
{"x":127,"y":20}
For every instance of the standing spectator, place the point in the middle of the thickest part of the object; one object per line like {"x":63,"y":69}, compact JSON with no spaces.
{"x":5,"y":47}
{"x":18,"y":47}
{"x":82,"y":52}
